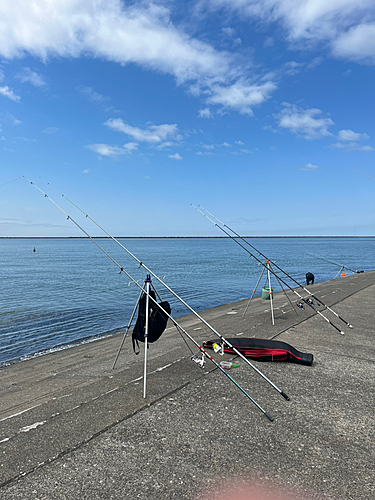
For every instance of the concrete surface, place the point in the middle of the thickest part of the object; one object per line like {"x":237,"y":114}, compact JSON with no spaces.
{"x":73,"y":428}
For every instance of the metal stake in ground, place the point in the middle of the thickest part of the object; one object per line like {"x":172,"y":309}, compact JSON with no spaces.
{"x":147,"y":283}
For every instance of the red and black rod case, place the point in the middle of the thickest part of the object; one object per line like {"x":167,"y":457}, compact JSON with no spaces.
{"x":264,"y":350}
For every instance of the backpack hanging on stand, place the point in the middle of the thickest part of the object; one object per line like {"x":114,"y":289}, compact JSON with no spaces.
{"x":157,"y":321}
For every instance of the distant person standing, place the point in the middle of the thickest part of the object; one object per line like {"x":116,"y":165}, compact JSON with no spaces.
{"x":309,"y":278}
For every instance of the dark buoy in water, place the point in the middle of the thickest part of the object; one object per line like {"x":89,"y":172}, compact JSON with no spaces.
{"x":34,"y":249}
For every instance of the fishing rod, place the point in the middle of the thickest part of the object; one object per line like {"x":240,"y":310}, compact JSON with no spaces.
{"x":122,"y":270}
{"x":290,"y":277}
{"x":223,"y":339}
{"x":342,"y":266}
{"x":271,"y":270}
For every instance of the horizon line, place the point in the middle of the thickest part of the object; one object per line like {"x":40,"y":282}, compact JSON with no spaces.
{"x":178,"y":237}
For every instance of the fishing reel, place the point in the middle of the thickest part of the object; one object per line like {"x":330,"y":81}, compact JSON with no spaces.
{"x":199,"y":361}
{"x":301,"y":305}
{"x":218,"y":348}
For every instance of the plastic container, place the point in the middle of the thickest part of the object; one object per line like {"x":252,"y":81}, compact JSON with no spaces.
{"x":266,"y":293}
{"x":226,"y":364}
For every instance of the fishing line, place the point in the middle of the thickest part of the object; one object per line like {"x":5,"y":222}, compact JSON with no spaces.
{"x":11,"y":181}
{"x":264,"y":265}
{"x":342,"y":266}
{"x":202,"y":350}
{"x":290,"y":277}
{"x":223,"y":339}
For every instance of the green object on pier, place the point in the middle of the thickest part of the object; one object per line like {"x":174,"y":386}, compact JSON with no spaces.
{"x":266,"y":293}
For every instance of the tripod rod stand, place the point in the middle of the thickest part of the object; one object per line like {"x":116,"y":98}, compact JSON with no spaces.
{"x":146,"y":290}
{"x":269,"y":271}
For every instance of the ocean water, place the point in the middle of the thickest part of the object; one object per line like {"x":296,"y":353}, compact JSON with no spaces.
{"x":68,"y":291}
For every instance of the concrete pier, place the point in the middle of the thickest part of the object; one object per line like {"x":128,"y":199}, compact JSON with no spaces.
{"x":73,"y":428}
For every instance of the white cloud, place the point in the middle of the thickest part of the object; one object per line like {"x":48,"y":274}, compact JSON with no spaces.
{"x":137,"y":33}
{"x":167,"y":144}
{"x":14,"y":120}
{"x":231,"y":32}
{"x":349,"y":135}
{"x":50,"y":130}
{"x":268,"y":42}
{"x":204,"y":113}
{"x":113,"y":151}
{"x":86,"y":171}
{"x":153,"y":134}
{"x":92,"y":95}
{"x":95,"y":97}
{"x":7,"y":92}
{"x":225,"y":144}
{"x":207,"y":146}
{"x":352,"y":146}
{"x":346,"y":25}
{"x":357,"y":44}
{"x":314,"y":63}
{"x":27,"y":75}
{"x":304,"y":122}
{"x":204,"y":153}
{"x":310,"y":167}
{"x":241,"y":96}
{"x":350,"y":141}
{"x":176,"y":156}
{"x":292,"y":68}
{"x":239,"y":143}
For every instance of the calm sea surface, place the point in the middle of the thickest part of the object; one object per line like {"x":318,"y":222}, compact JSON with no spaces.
{"x":69,"y":292}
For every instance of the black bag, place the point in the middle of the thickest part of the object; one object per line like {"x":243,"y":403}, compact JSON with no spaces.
{"x":265,"y":350}
{"x":157,"y":320}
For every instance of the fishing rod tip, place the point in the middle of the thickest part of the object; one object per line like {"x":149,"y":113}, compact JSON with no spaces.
{"x":285,"y":396}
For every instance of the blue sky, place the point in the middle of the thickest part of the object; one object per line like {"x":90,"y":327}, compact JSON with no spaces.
{"x":260,"y":111}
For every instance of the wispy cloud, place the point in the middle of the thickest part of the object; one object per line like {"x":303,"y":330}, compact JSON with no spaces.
{"x":346,"y":26}
{"x":352,"y":146}
{"x":349,"y":135}
{"x":153,"y":133}
{"x":349,"y":141}
{"x":50,"y":130}
{"x":204,"y":113}
{"x":241,"y":96}
{"x":309,"y":167}
{"x":95,"y":97}
{"x":204,"y":153}
{"x":176,"y":156}
{"x":113,"y":151}
{"x":7,"y":92}
{"x":27,"y":75}
{"x":308,"y":123}
{"x":140,"y":33}
{"x":357,"y":43}
{"x":230,"y":34}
